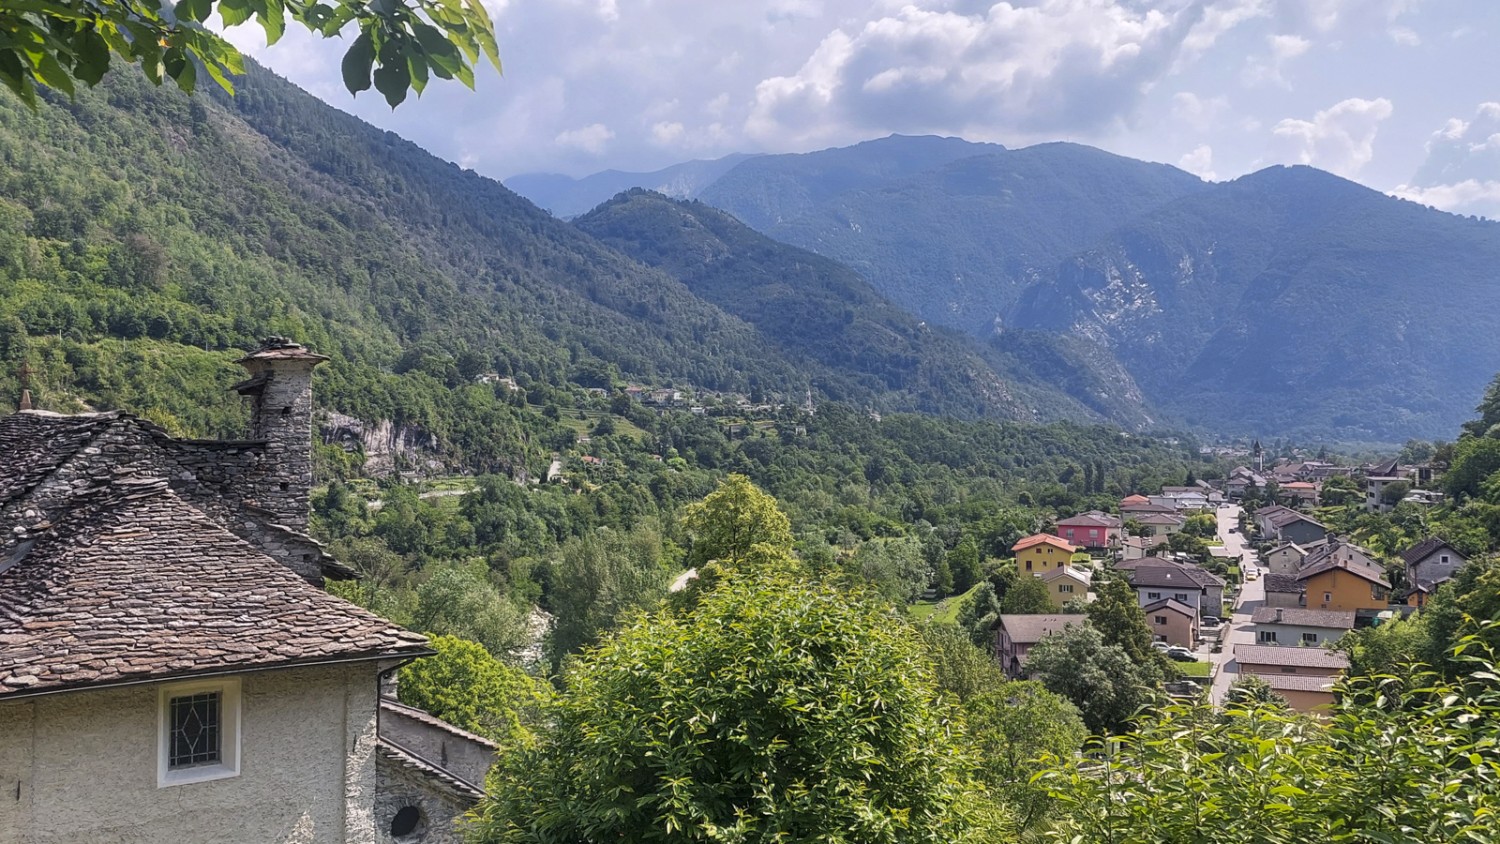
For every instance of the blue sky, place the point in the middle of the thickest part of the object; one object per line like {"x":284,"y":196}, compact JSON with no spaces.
{"x":1401,"y":95}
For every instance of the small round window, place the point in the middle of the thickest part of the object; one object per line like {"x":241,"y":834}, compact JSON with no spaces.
{"x":408,"y":826}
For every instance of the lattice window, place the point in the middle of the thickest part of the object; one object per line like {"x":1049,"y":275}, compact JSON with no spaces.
{"x":196,"y":730}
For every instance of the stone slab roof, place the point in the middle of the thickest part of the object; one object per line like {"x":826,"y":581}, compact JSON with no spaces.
{"x":1332,"y":619}
{"x":390,"y":753}
{"x":1030,"y":629}
{"x":133,"y":584}
{"x":1291,"y":656}
{"x":34,"y":443}
{"x":1423,"y":549}
{"x":396,"y":706}
{"x":1283,"y":583}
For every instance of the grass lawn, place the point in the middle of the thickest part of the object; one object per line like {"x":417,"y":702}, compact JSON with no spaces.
{"x":1194,"y":670}
{"x":939,"y":612}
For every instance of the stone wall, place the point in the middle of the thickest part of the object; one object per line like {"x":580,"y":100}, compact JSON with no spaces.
{"x":439,"y":813}
{"x":82,"y":766}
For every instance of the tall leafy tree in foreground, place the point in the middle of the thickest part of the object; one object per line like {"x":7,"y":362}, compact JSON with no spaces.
{"x":58,"y":43}
{"x":774,"y":710}
{"x":1100,"y":679}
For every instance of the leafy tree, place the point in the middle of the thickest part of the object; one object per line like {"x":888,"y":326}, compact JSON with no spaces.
{"x":977,"y":612}
{"x":1116,"y":613}
{"x":1388,"y":648}
{"x":467,"y":687}
{"x":1029,"y":596}
{"x":1100,"y":679}
{"x":960,"y":668}
{"x":1395,"y":491}
{"x":1407,"y":760}
{"x":1474,"y":460}
{"x":602,"y":577}
{"x":55,"y":43}
{"x":894,"y":567}
{"x":731,"y":520}
{"x":458,"y":599}
{"x":1202,"y":525}
{"x":775,"y":710}
{"x":942,"y":578}
{"x":1249,"y":690}
{"x":1340,"y":490}
{"x":965,"y":563}
{"x":1012,"y":727}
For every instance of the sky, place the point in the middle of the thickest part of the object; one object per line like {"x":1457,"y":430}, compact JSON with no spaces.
{"x":1400,"y":95}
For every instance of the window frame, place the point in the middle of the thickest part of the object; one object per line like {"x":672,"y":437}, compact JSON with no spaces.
{"x":228,"y":689}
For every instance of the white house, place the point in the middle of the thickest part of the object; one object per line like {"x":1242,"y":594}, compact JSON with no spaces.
{"x":1297,"y":626}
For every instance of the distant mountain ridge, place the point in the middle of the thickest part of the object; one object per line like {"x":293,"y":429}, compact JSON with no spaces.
{"x":1289,"y":301}
{"x":568,"y":197}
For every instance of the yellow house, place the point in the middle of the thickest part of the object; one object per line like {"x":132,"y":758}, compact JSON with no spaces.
{"x":1066,"y":583}
{"x":1041,"y":553}
{"x":1343,"y":578}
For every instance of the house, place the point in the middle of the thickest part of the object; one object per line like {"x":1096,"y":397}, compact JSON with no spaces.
{"x":1377,"y":478}
{"x":1429,"y":564}
{"x":1172,"y":622}
{"x":1139,"y":547}
{"x":1155,"y":579}
{"x":1302,"y":493}
{"x":1304,"y":676}
{"x":1041,"y":553}
{"x":1284,"y":524}
{"x":1297,"y":626}
{"x":1092,"y":530}
{"x":1283,"y":590}
{"x":1341,"y":577}
{"x":170,"y":667}
{"x":1133,"y":500}
{"x":1016,"y":635}
{"x":1160,"y":525}
{"x":1285,"y":558}
{"x":1067,"y":583}
{"x":1241,"y":479}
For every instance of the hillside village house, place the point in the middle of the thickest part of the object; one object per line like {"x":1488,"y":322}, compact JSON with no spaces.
{"x":1134,"y":506}
{"x":1283,"y":524}
{"x":170,"y":669}
{"x":1041,"y":553}
{"x":1302,"y":493}
{"x":1173,"y":622}
{"x":1341,"y":577}
{"x":1068,"y":583}
{"x":1093,"y":530}
{"x":1285,"y":558}
{"x":1304,"y":676}
{"x":1016,"y":635}
{"x":1429,"y":564}
{"x":1284,"y":590}
{"x":1160,"y":525}
{"x":1155,"y":579}
{"x":1377,"y":479}
{"x":1297,"y":626}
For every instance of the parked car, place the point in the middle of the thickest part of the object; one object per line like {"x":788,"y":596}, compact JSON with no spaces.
{"x":1161,"y":646}
{"x":1181,"y":654}
{"x":1210,"y":622}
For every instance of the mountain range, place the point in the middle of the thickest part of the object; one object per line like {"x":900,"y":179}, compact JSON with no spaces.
{"x":1289,"y":301}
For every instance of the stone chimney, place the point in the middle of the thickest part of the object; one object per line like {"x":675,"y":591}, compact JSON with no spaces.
{"x":281,"y":410}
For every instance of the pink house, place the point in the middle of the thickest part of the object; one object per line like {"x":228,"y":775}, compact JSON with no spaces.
{"x":1091,"y":530}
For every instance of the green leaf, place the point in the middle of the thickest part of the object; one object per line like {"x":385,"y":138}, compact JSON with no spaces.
{"x":393,"y":80}
{"x":273,"y":21}
{"x":357,"y":63}
{"x":416,"y":65}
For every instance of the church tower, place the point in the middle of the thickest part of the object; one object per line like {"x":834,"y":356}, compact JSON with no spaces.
{"x":281,"y":414}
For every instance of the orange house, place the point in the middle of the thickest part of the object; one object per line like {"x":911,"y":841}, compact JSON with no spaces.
{"x":1041,"y":553}
{"x":1344,"y":579}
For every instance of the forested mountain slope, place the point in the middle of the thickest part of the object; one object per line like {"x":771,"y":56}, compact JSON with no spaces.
{"x":814,"y":306}
{"x":954,"y":241}
{"x":1293,"y":301}
{"x":145,"y":235}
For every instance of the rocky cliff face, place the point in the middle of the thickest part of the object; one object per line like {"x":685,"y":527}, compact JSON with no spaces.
{"x":386,"y":446}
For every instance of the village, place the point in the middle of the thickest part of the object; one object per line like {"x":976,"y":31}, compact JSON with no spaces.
{"x":1268,"y":600}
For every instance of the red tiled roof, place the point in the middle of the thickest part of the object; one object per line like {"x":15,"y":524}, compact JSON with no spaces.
{"x":1044,"y":538}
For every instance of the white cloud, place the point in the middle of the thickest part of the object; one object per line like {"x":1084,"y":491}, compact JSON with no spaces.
{"x":1201,"y":113}
{"x":1340,"y":139}
{"x":1268,"y":68}
{"x":1470,"y":196}
{"x":1199,"y":162}
{"x":1405,"y":36}
{"x":666,"y":133}
{"x":592,"y":139}
{"x":1057,"y":64}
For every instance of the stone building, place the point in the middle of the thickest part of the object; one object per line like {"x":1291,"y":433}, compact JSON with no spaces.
{"x":171,"y":670}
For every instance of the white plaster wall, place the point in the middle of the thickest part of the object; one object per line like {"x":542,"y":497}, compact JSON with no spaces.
{"x":1291,"y":634}
{"x":86,"y":766}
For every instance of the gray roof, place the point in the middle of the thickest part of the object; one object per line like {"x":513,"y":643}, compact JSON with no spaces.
{"x":1282,"y":583}
{"x":1345,"y":557}
{"x":1090,"y":519}
{"x":132,"y":583}
{"x":1170,"y":604}
{"x":1425,"y":548}
{"x":1332,"y":619}
{"x":1298,"y":682}
{"x":1030,"y":629}
{"x":1290,"y":655}
{"x":1173,"y":575}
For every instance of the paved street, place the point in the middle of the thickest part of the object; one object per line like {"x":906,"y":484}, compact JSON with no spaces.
{"x":1251,"y":596}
